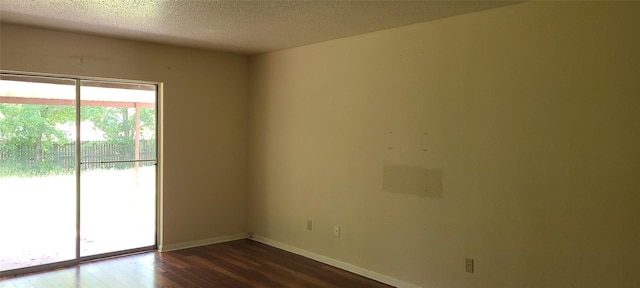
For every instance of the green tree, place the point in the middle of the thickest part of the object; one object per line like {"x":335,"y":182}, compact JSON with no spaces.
{"x":33,"y":126}
{"x":118,"y":127}
{"x":118,"y":124}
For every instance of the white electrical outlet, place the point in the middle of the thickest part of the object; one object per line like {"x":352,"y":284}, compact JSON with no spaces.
{"x":309,"y":225}
{"x":336,"y":230}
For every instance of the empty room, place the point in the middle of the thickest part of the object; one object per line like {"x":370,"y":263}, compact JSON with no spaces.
{"x":434,"y":144}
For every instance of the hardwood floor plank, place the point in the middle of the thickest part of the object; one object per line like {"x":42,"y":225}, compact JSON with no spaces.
{"x":163,"y":282}
{"x":241,"y":263}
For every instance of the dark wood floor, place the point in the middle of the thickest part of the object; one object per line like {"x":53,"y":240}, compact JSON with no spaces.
{"x":242,"y":263}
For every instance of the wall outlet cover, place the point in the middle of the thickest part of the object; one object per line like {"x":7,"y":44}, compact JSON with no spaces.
{"x":468,"y":264}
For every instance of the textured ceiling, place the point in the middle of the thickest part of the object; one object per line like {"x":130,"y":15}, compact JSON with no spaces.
{"x":246,"y":27}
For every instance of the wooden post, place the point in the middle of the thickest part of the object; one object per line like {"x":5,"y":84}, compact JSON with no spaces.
{"x":136,"y":141}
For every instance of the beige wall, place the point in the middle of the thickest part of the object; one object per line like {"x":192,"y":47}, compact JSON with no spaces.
{"x":205,"y":118}
{"x":533,"y":116}
{"x":531,"y":113}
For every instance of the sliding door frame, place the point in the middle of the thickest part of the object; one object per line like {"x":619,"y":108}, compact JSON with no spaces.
{"x":158,"y":171}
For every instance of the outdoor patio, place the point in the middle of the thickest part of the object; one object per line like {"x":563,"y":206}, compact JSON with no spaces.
{"x":38,"y":220}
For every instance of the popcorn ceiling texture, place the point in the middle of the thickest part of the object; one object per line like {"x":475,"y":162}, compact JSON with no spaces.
{"x":245,"y":27}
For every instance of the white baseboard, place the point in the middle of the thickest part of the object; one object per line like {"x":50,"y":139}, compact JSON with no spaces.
{"x":202,"y":242}
{"x":336,"y":263}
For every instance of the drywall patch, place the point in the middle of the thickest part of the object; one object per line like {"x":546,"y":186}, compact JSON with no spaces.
{"x":412,"y":180}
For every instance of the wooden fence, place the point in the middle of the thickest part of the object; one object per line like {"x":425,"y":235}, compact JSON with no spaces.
{"x":60,"y":159}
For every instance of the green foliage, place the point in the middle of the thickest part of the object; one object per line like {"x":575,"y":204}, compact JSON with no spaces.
{"x":12,"y":166}
{"x":118,"y":124}
{"x":32,"y":126}
{"x":29,"y":132}
{"x":28,"y":125}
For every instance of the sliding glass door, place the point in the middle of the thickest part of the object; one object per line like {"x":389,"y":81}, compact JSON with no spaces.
{"x":37,"y":164}
{"x":118,"y":174}
{"x":77,"y":170}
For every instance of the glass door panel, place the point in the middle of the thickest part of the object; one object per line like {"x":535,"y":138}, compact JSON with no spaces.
{"x":37,"y":171}
{"x":118,"y":211}
{"x":118,"y":172}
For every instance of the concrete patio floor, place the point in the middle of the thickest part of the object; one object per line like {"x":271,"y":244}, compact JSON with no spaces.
{"x":38,"y":220}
